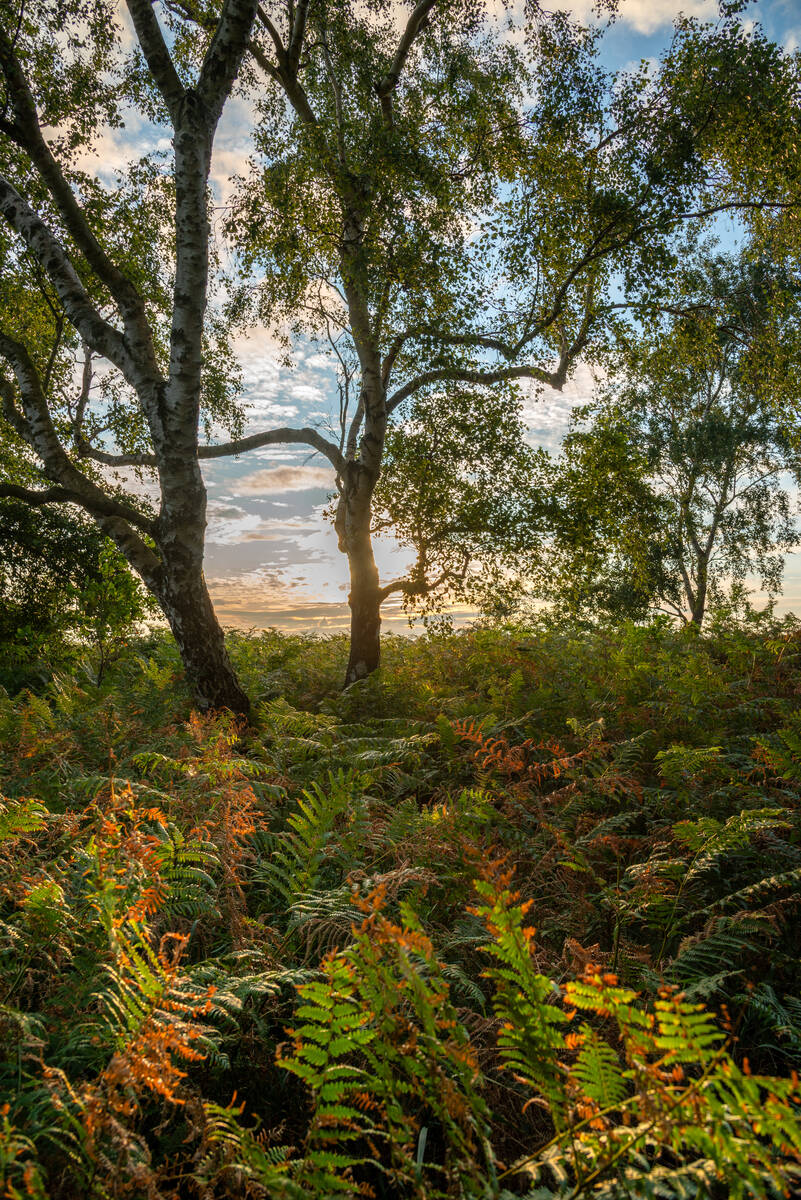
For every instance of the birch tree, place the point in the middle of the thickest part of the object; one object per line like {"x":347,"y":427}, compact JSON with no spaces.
{"x":452,"y":206}
{"x":83,"y":279}
{"x":448,"y":204}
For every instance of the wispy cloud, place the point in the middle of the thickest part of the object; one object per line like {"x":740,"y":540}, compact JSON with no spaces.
{"x":287,"y":479}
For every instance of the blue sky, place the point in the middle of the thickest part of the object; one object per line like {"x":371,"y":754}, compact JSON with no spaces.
{"x":271,"y":557}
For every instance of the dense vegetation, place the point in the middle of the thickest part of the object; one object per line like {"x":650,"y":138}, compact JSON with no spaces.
{"x":518,"y":915}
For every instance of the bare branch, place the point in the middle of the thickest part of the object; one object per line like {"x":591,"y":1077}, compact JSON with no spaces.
{"x":86,"y":386}
{"x":338,"y":105}
{"x":353,"y":432}
{"x":275,"y":37}
{"x":51,"y":495}
{"x":271,"y":437}
{"x":396,"y":345}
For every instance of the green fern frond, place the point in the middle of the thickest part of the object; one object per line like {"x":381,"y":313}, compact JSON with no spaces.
{"x":597,"y":1069}
{"x":186,"y":866}
{"x":531,"y":1032}
{"x":300,"y":852}
{"x":679,"y":764}
{"x":19,"y":818}
{"x":758,"y":894}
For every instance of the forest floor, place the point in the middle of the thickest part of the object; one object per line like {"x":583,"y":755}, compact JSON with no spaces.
{"x":343,"y":951}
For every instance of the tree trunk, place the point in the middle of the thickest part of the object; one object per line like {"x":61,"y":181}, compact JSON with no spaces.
{"x":352,"y":523}
{"x":186,"y":604}
{"x":365,"y":614}
{"x":699,"y":603}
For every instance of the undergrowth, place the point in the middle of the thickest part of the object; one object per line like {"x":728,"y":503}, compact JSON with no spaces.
{"x":519,"y":916}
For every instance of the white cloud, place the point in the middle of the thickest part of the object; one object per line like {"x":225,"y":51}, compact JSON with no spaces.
{"x":286,"y":479}
{"x":228,"y":525}
{"x":547,"y":412}
{"x":646,"y":16}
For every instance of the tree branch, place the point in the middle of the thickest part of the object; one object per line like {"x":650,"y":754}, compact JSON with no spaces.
{"x":26,"y":133}
{"x":224,"y":55}
{"x":554,"y":379}
{"x":41,"y":435}
{"x":138,"y":553}
{"x":157,"y":56}
{"x":297,"y":35}
{"x":386,"y":86}
{"x":271,"y":437}
{"x":420,"y":586}
{"x":53,"y":495}
{"x":53,"y":259}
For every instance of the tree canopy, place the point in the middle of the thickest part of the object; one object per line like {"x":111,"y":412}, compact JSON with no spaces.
{"x":455,"y":203}
{"x":673,"y":484}
{"x":470,"y":207}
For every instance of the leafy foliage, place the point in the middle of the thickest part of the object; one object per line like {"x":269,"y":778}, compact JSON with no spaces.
{"x":233,"y":966}
{"x":671,"y":486}
{"x":62,"y":583}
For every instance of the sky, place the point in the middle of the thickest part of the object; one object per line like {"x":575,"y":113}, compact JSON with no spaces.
{"x":272,"y":559}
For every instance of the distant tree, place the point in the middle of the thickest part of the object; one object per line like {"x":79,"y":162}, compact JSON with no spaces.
{"x":672,"y":485}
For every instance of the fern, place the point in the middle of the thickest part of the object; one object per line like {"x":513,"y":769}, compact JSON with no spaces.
{"x":708,"y":960}
{"x":760,"y":893}
{"x":708,"y":839}
{"x":531,"y":1023}
{"x":150,"y":1019}
{"x":679,"y":765}
{"x":19,"y":818}
{"x":322,"y":920}
{"x":782,"y":753}
{"x":384,"y":1002}
{"x":334,"y":1026}
{"x":20,"y":1172}
{"x":598,"y":1072}
{"x":235,"y":1154}
{"x":300,"y":852}
{"x":674,"y":1081}
{"x":185,"y":866}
